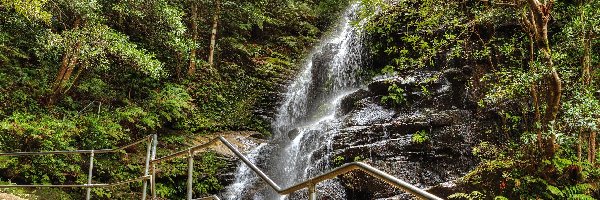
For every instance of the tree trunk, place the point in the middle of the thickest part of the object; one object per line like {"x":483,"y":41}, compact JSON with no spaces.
{"x":179,"y":66}
{"x":68,"y":64}
{"x":194,"y":29}
{"x":552,"y":108}
{"x":592,"y":148}
{"x":579,"y":150}
{"x":586,"y":75}
{"x":213,"y":37}
{"x":537,"y":118}
{"x":586,"y":79}
{"x":538,"y":26}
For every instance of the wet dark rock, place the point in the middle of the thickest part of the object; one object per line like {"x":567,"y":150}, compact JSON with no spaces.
{"x":368,"y":112}
{"x":349,"y":102}
{"x":320,"y":78}
{"x":455,"y":75}
{"x":293,"y":133}
{"x":446,"y":189}
{"x":383,"y":136}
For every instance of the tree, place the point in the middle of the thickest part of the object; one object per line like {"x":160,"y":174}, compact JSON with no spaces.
{"x":536,"y":23}
{"x":194,"y":34}
{"x":31,"y":9}
{"x":88,"y":43}
{"x":213,"y":36}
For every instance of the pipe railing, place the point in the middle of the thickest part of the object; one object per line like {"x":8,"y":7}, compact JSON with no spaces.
{"x":151,"y":139}
{"x":152,"y":161}
{"x":309,"y":184}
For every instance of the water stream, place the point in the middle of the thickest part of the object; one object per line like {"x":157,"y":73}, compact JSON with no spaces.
{"x":306,"y":121}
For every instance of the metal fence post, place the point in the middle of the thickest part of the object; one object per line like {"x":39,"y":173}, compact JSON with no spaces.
{"x":148,"y":152}
{"x":312,"y":193}
{"x":153,"y":178}
{"x":89,"y":189}
{"x":190,"y":180}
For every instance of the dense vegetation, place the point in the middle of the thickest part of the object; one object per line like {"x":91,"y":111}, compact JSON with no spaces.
{"x":87,"y":74}
{"x":535,"y":66}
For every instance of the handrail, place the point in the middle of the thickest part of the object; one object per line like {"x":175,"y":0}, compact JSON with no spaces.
{"x":89,"y":185}
{"x":184,"y":152}
{"x":310,"y":184}
{"x":77,"y":151}
{"x":141,"y":178}
{"x":212,"y":197}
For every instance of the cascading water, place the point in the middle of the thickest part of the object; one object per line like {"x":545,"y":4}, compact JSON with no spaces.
{"x":306,"y":121}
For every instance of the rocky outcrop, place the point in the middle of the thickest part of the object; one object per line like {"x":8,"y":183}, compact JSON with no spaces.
{"x":438,"y":108}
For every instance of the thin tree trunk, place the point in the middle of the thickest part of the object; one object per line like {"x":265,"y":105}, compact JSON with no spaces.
{"x":552,"y":108}
{"x":538,"y":25}
{"x":586,"y":76}
{"x":65,"y":71}
{"x":586,"y":79}
{"x":531,"y":50}
{"x":64,"y":74}
{"x":213,"y":37}
{"x":537,"y":118}
{"x":178,"y":67}
{"x":194,"y":29}
{"x":579,"y":150}
{"x":75,"y":79}
{"x":592,"y":148}
{"x":60,"y":76}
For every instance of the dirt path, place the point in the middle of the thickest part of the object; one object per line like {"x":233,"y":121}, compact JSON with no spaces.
{"x":4,"y":196}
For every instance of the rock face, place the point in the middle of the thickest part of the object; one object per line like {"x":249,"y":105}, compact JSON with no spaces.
{"x":426,"y":141}
{"x":438,"y":107}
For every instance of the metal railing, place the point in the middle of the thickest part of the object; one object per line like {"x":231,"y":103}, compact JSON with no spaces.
{"x":309,"y":184}
{"x":151,"y":149}
{"x":151,"y":160}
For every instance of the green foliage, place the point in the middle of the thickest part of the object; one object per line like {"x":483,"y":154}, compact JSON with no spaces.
{"x":172,"y":102}
{"x":426,"y":92}
{"x":395,"y":97}
{"x":36,"y":194}
{"x":128,"y":80}
{"x":420,"y":137}
{"x":358,"y":158}
{"x":171,"y":182}
{"x":31,"y":9}
{"x":475,"y":195}
{"x":573,"y":192}
{"x":489,"y":38}
{"x":407,"y":35}
{"x":339,"y":161}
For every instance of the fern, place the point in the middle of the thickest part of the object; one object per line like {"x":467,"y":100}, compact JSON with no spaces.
{"x":475,"y":195}
{"x":581,"y":197}
{"x":395,"y":95}
{"x":575,"y":192}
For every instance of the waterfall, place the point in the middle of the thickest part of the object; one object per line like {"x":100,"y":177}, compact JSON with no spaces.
{"x":306,"y":121}
{"x":244,"y":175}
